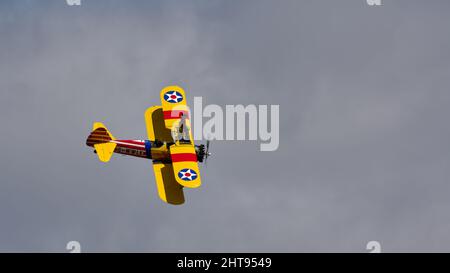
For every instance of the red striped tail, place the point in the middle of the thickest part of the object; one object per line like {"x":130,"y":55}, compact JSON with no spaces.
{"x":98,"y":136}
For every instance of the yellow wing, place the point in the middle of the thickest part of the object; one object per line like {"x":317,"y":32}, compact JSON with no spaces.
{"x":154,"y":120}
{"x":184,"y":158}
{"x":174,"y":105}
{"x":168,"y":189}
{"x":185,"y":166}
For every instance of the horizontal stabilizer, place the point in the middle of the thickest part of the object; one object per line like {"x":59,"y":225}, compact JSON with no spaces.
{"x":100,"y":138}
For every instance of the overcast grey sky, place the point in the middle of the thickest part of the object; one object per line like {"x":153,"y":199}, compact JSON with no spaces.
{"x":364,"y":140}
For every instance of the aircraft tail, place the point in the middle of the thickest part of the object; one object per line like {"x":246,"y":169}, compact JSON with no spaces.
{"x":100,"y":138}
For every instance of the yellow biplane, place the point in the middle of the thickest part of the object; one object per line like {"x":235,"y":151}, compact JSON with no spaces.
{"x":170,"y":145}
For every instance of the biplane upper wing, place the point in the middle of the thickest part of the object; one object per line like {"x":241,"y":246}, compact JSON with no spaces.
{"x":168,"y":189}
{"x":185,"y":166}
{"x":173,"y":102}
{"x":183,"y":155}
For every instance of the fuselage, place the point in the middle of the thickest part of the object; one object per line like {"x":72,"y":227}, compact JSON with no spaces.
{"x":155,"y":150}
{"x":142,"y":148}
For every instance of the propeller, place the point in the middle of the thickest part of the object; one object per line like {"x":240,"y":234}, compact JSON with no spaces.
{"x":207,"y":148}
{"x":207,"y":153}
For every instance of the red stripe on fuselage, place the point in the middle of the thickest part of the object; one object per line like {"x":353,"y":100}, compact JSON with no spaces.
{"x":137,"y":146}
{"x":175,"y":114}
{"x":184,"y":157}
{"x":131,"y":141}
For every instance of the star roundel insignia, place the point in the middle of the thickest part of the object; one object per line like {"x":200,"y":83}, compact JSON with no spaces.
{"x":187,"y":174}
{"x":173,"y":97}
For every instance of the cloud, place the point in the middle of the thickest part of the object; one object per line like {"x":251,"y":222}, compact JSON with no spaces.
{"x":363,"y":105}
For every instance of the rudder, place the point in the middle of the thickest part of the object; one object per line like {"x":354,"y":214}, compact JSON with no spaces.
{"x":100,"y":138}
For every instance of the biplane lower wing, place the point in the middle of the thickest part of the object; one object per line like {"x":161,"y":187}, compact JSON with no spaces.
{"x":185,"y":166}
{"x":156,"y":129}
{"x":168,"y":189}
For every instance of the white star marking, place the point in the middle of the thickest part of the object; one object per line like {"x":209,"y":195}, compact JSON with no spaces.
{"x":191,"y":175}
{"x":174,"y":93}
